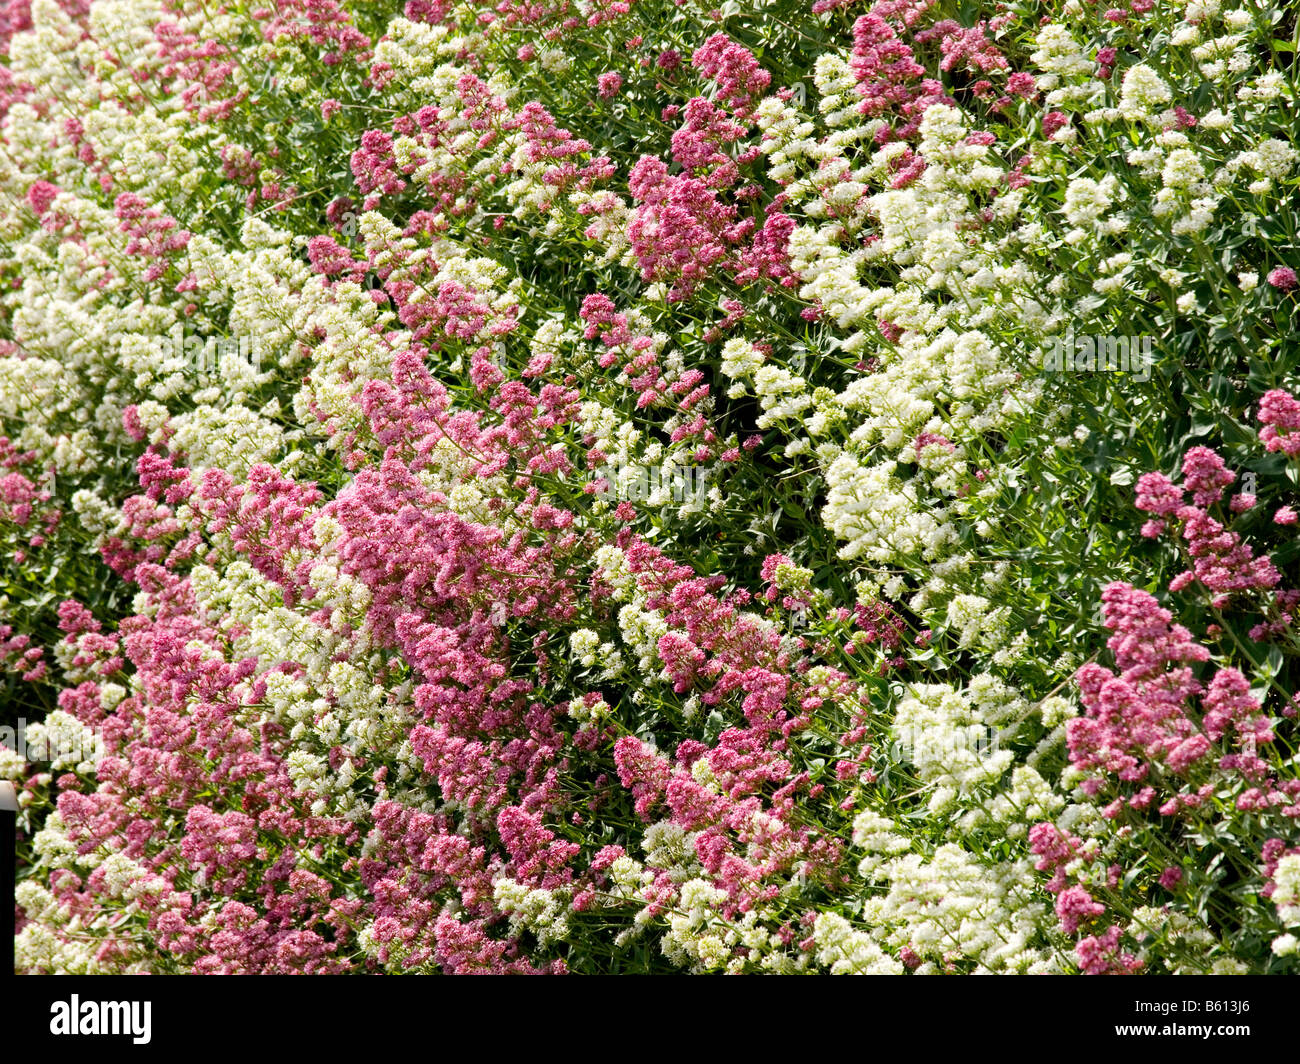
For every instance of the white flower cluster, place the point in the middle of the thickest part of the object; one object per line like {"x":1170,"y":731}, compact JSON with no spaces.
{"x":98,"y":335}
{"x":64,"y":743}
{"x":1286,"y":889}
{"x":846,"y":951}
{"x":699,"y":939}
{"x":884,"y":501}
{"x":946,"y":735}
{"x":954,"y":906}
{"x":545,"y":913}
{"x":1144,"y":95}
{"x":588,"y":650}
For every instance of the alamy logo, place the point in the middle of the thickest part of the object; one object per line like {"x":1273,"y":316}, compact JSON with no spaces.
{"x":637,"y":483}
{"x":204,"y":355}
{"x":77,"y":1017}
{"x":1091,"y":354}
{"x":920,"y":746}
{"x":46,"y":745}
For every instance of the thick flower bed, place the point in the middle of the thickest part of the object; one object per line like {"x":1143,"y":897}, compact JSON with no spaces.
{"x":624,"y":486}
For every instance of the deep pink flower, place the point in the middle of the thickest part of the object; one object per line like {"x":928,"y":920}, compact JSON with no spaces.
{"x":609,"y":84}
{"x":1282,"y":278}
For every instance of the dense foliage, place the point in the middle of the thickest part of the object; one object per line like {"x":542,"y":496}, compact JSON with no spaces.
{"x":621,"y":486}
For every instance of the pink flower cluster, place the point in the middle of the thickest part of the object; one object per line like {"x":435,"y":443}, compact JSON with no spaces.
{"x":1140,"y":726}
{"x":153,"y":234}
{"x":450,"y":600}
{"x":1097,"y":951}
{"x":735,"y":71}
{"x":684,"y":230}
{"x":1221,"y":562}
{"x":26,"y":499}
{"x":890,"y":79}
{"x":1279,"y":412}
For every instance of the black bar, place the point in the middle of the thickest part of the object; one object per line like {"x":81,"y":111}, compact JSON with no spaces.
{"x":260,"y":1016}
{"x":8,"y":871}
